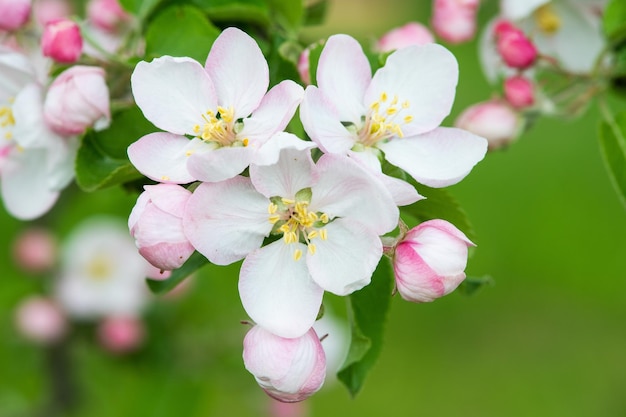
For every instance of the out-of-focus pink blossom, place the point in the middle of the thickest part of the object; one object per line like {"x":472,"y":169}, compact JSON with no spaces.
{"x":40,"y":320}
{"x":62,"y":41}
{"x":121,"y":334}
{"x":303,"y":66}
{"x":46,"y":11}
{"x":77,"y":99}
{"x":519,"y":91}
{"x":106,"y":14}
{"x":494,"y":120}
{"x":513,"y":46}
{"x":455,"y":20}
{"x":410,"y":34}
{"x":289,"y":370}
{"x":35,"y":250}
{"x":429,"y":262}
{"x":156,"y":223}
{"x":14,"y":14}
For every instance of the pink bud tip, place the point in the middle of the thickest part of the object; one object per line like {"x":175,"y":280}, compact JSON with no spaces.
{"x":40,"y":320}
{"x":121,"y":334}
{"x":519,"y":91}
{"x":62,"y":41}
{"x":14,"y":14}
{"x":35,"y":250}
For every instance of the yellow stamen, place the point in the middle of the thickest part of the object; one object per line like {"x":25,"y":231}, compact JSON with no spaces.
{"x":312,"y":248}
{"x":297,"y":254}
{"x":323,"y":234}
{"x":547,"y":19}
{"x":245,"y":142}
{"x":165,"y":178}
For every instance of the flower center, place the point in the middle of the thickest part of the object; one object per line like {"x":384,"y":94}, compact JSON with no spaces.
{"x":384,"y":120}
{"x":296,"y":222}
{"x":547,"y":19}
{"x":99,"y":268}
{"x":6,"y":122}
{"x":220,"y":128}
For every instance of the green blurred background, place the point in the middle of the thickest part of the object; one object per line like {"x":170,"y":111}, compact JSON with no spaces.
{"x":548,"y":339}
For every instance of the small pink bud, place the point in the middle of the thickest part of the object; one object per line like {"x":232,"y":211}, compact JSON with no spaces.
{"x":40,"y":320}
{"x":410,"y":34}
{"x":14,"y":14}
{"x":288,"y":370}
{"x":494,"y":120}
{"x":515,"y":48}
{"x":519,"y":91}
{"x":106,"y":14}
{"x":303,"y":66}
{"x":62,"y":41}
{"x":455,"y":20}
{"x":121,"y":334}
{"x":47,"y":11}
{"x":35,"y":250}
{"x":156,"y":223}
{"x":429,"y":262}
{"x":77,"y":99}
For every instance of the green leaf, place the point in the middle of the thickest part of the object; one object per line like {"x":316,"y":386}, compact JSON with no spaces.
{"x":195,"y":262}
{"x":288,"y":13}
{"x":315,"y":50}
{"x":613,"y":150}
{"x":471,"y":285}
{"x":251,"y":11}
{"x":614,"y":21}
{"x":315,"y":13}
{"x":368,"y":310}
{"x":181,"y":31}
{"x":140,"y":8}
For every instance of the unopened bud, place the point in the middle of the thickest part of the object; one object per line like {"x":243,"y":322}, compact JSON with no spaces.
{"x":519,"y":92}
{"x":514,"y":47}
{"x":455,"y":20}
{"x":14,"y":14}
{"x":494,"y":120}
{"x":40,"y":320}
{"x":62,"y":41}
{"x":410,"y":34}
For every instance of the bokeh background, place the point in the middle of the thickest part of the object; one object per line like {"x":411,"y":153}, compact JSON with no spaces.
{"x":548,"y":339}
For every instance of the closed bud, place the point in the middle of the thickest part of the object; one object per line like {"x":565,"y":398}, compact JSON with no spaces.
{"x":429,"y":262}
{"x":14,"y":14}
{"x":62,"y":41}
{"x":40,"y":320}
{"x":288,"y":370}
{"x":494,"y":120}
{"x":410,"y":34}
{"x":519,"y":92}
{"x":455,"y":20}
{"x":107,"y":15}
{"x":156,"y":224}
{"x":121,"y":334}
{"x":35,"y":250}
{"x":77,"y":99}
{"x":513,"y":46}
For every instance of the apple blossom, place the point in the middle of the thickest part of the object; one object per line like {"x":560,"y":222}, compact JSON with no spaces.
{"x":224,"y":107}
{"x":62,"y":41}
{"x":156,"y":223}
{"x":519,"y":91}
{"x":14,"y":14}
{"x":412,"y":33}
{"x":101,"y":273}
{"x":121,"y":334}
{"x":41,"y":320}
{"x":35,"y":250}
{"x":494,"y":120}
{"x":289,"y":370}
{"x":46,"y":11}
{"x":78,"y":98}
{"x":430,"y":260}
{"x":396,"y":112}
{"x":330,"y":216}
{"x":455,"y":20}
{"x":107,"y":15}
{"x":514,"y":47}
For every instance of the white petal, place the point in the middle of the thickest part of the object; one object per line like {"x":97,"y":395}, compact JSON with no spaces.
{"x":438,"y":158}
{"x":225,"y":221}
{"x":17,"y":71}
{"x":277,"y":292}
{"x":292,"y":173}
{"x":345,"y":261}
{"x":173,"y":93}
{"x":219,"y":164}
{"x":519,"y":9}
{"x":30,"y":129}
{"x":269,"y":152}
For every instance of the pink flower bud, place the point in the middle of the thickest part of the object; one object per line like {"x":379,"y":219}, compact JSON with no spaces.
{"x":289,"y":370}
{"x":515,"y":48}
{"x":62,"y":41}
{"x":494,"y":120}
{"x":121,"y":334}
{"x":156,"y":223}
{"x":429,"y":262}
{"x":410,"y":34}
{"x":47,"y":11}
{"x":77,"y":99}
{"x":35,"y":250}
{"x":519,"y":91}
{"x":14,"y":14}
{"x":40,"y":320}
{"x":303,"y":66}
{"x":455,"y":20}
{"x":106,"y":14}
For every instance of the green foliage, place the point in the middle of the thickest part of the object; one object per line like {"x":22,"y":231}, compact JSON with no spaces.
{"x":250,"y":11}
{"x":471,"y":285}
{"x":315,"y":13}
{"x":614,"y":22}
{"x":140,"y":8}
{"x":315,"y":51}
{"x":195,"y":262}
{"x":367,"y":309}
{"x":181,"y":31}
{"x":613,"y":149}
{"x":289,"y":14}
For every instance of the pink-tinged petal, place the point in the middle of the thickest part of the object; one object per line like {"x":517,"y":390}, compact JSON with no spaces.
{"x":293,"y":172}
{"x":516,"y":9}
{"x":423,"y":76}
{"x":415,"y":280}
{"x":269,"y":152}
{"x":173,"y":93}
{"x":25,"y":189}
{"x":345,"y":189}
{"x":274,"y":113}
{"x":170,"y":198}
{"x":345,"y":261}
{"x":343,"y":74}
{"x":220,"y":164}
{"x":239,"y":71}
{"x":137,"y":210}
{"x":30,"y":130}
{"x":167,"y":256}
{"x":438,"y":158}
{"x":277,"y":291}
{"x":226,"y":220}
{"x":163,"y":157}
{"x":322,"y":123}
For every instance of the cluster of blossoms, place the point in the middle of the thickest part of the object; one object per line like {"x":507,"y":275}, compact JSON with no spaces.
{"x":305,"y":216}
